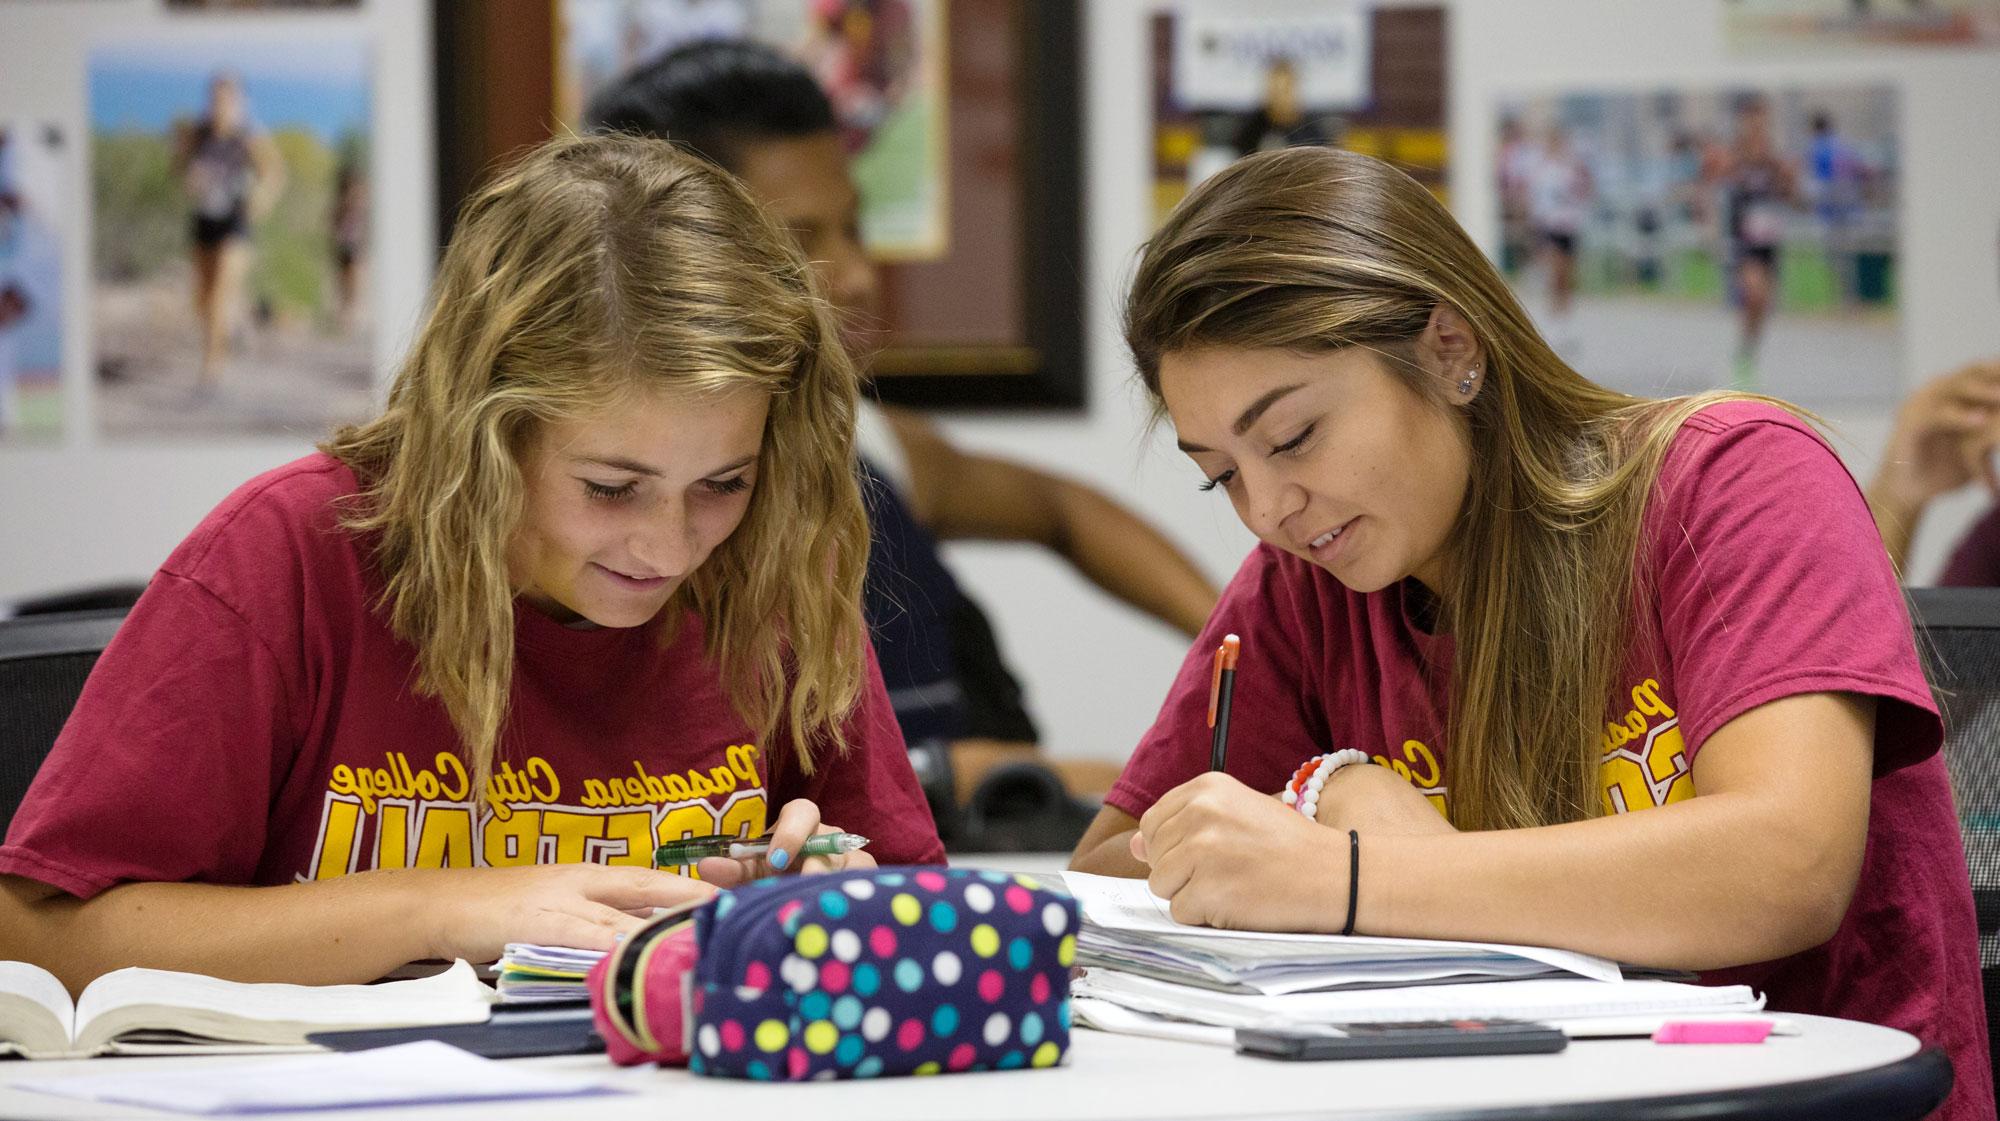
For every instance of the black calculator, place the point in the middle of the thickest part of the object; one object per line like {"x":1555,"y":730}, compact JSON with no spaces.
{"x":1402,"y":1040}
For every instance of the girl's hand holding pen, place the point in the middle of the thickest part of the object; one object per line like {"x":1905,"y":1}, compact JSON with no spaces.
{"x":798,"y":820}
{"x":1225,"y":856}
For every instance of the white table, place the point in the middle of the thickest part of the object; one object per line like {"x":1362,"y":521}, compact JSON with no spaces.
{"x":1116,"y":1076}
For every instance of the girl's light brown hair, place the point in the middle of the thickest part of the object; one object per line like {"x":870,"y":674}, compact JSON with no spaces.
{"x":1312,"y":250}
{"x":593,"y":268}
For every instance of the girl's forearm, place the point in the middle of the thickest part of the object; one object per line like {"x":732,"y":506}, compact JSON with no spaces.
{"x":351,"y":929}
{"x":1701,"y":884}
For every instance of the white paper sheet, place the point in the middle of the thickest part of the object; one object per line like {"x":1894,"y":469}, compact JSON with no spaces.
{"x":1127,"y":904}
{"x":407,"y":1074}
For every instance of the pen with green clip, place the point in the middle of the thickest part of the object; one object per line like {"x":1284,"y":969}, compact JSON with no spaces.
{"x":693,"y":849}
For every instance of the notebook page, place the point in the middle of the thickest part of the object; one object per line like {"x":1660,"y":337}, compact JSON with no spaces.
{"x":33,"y":983}
{"x":272,"y":1013}
{"x":1127,"y":904}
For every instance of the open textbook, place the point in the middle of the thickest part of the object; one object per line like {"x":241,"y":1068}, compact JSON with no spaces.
{"x":156,"y":1012}
{"x":1128,"y":928}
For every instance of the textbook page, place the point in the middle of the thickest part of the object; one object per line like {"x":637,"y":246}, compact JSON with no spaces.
{"x":36,"y":1014}
{"x":155,"y":1001}
{"x":1117,"y":903}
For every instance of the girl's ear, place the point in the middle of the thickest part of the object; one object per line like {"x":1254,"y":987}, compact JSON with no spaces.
{"x":1449,"y":350}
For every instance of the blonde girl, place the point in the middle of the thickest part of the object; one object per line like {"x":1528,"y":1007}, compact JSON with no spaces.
{"x":590,"y":583}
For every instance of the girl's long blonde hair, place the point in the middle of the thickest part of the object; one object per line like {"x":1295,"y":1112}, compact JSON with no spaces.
{"x":593,"y":267}
{"x":1314,"y":249}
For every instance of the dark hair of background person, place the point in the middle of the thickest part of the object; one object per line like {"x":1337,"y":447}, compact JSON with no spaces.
{"x":714,"y":96}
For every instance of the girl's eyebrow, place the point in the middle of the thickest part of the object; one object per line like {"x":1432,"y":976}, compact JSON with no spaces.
{"x":1250,"y":415}
{"x":618,"y":463}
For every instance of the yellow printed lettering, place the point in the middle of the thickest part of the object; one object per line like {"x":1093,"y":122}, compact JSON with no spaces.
{"x":1416,"y":752}
{"x":744,"y":815}
{"x":551,"y":790}
{"x":678,"y":789}
{"x":392,"y":835}
{"x":1646,"y":698}
{"x":636,"y":831}
{"x":723,"y":779}
{"x":343,"y":780}
{"x":339,"y":832}
{"x":635,"y":792}
{"x":512,"y":840}
{"x":656,"y":791}
{"x":444,"y":837}
{"x":743,"y":760}
{"x":427,"y":786}
{"x":594,"y":793}
{"x":570,"y":831}
{"x":463,"y":784}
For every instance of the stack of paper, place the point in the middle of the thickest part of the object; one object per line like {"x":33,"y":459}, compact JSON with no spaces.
{"x":532,"y":974}
{"x":1145,"y":972}
{"x":1126,"y":927}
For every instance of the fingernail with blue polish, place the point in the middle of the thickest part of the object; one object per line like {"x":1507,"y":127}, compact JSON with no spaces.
{"x":780,"y":858}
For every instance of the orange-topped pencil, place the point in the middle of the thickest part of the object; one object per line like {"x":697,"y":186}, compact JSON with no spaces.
{"x":1221,"y":687}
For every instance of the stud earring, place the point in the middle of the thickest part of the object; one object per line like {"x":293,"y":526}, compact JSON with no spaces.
{"x":1465,"y":383}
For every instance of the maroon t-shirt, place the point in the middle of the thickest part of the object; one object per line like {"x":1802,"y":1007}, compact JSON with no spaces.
{"x":253,"y":723}
{"x":1769,"y":580}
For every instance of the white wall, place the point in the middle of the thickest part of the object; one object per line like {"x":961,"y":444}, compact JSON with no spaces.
{"x":80,"y":511}
{"x":1095,"y":670}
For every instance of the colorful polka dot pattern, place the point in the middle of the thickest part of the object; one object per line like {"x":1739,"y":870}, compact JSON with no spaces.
{"x":883,"y":972}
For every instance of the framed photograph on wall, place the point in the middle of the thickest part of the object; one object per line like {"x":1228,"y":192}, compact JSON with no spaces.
{"x":1673,"y":240}
{"x":970,"y":176}
{"x":36,"y":186}
{"x":1229,"y":82}
{"x":229,"y":196}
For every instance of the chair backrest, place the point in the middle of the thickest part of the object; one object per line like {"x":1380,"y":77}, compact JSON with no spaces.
{"x":1959,"y":636}
{"x":44,"y":660}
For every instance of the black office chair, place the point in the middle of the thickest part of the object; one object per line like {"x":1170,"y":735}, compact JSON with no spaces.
{"x":44,"y":660}
{"x":1959,"y":637}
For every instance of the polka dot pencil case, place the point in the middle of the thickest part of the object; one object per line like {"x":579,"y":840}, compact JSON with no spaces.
{"x":849,"y":975}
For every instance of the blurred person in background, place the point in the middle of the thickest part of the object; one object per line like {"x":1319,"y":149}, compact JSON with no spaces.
{"x":1280,"y":122}
{"x":348,"y":229}
{"x":761,"y":115}
{"x":1559,"y":198}
{"x":1760,"y":186}
{"x":1838,"y":179}
{"x":232,"y":174}
{"x":1945,"y":437}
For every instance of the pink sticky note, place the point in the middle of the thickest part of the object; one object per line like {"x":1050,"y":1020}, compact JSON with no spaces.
{"x":1713,"y":1031}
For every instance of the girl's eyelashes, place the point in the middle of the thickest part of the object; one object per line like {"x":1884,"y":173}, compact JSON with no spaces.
{"x":609,"y":493}
{"x":1221,"y":480}
{"x":1296,"y":442}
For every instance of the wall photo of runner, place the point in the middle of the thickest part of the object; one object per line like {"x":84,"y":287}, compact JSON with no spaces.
{"x":1671,"y":241}
{"x":230,"y":179}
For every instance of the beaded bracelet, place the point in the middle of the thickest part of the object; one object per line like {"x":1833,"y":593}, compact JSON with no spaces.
{"x":1302,"y":792}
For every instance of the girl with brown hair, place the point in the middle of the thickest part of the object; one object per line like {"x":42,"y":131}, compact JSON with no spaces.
{"x":589,"y":584}
{"x":1635,"y":674}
